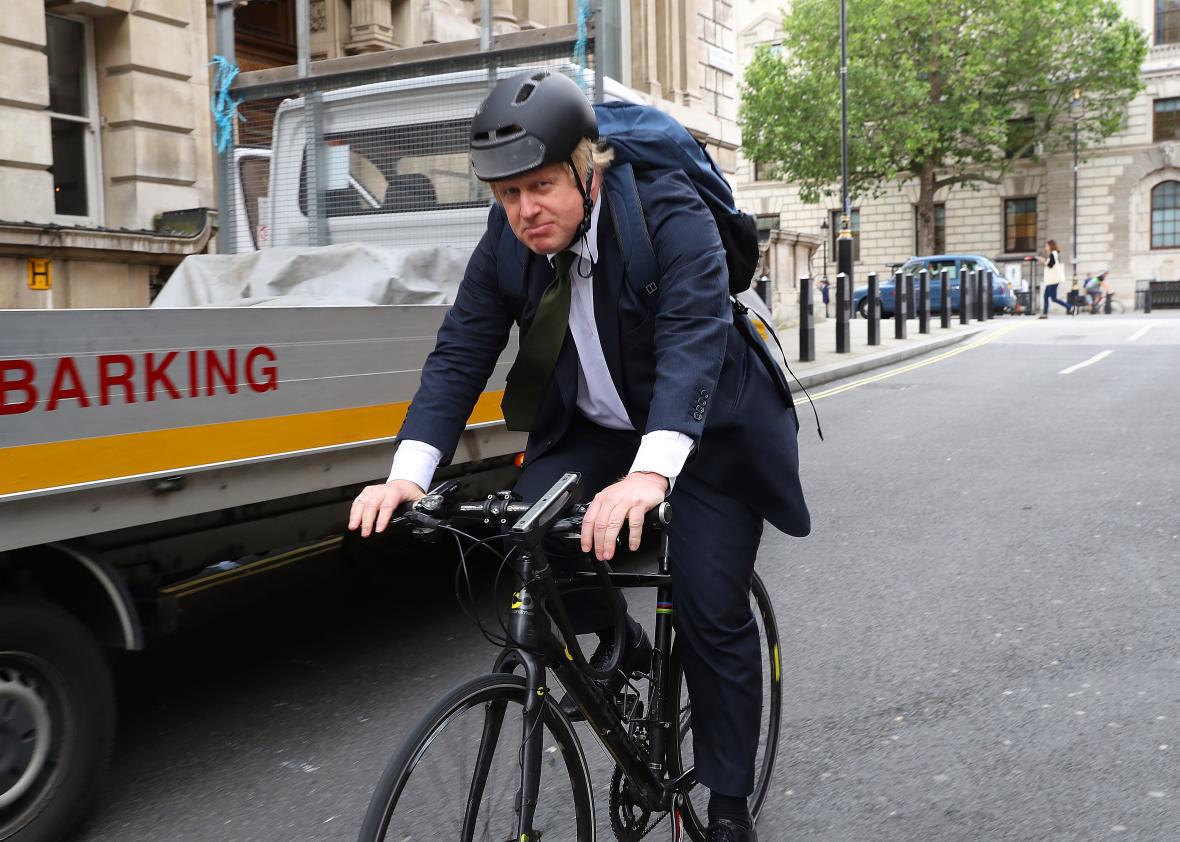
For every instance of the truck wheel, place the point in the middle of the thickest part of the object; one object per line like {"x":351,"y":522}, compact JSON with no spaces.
{"x":57,"y":720}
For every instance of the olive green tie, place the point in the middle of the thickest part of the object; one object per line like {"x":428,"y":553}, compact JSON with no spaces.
{"x":538,"y":351}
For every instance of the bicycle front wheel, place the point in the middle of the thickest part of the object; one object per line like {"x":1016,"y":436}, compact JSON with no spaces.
{"x":458,"y":775}
{"x":680,"y":753}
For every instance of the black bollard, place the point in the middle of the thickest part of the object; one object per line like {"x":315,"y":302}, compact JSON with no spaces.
{"x":989,"y":301}
{"x":977,"y":295}
{"x":843,"y":315}
{"x":944,"y":304}
{"x":806,"y":321}
{"x":1147,"y":301}
{"x":1105,"y":304}
{"x":924,"y":301}
{"x":899,"y":328}
{"x":910,"y":310}
{"x":874,"y":309}
{"x":964,"y":296}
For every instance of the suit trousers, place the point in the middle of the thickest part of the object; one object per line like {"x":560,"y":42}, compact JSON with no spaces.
{"x":713,"y":543}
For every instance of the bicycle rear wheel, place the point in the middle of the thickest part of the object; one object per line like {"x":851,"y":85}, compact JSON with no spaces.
{"x":457,"y":777}
{"x":680,"y":752}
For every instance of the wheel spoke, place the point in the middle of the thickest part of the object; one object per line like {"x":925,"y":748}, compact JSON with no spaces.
{"x":462,"y":780}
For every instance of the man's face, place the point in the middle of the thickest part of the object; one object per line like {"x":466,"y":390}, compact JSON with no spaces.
{"x":544,"y":207}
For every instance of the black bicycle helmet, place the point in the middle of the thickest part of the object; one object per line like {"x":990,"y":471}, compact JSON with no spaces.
{"x":529,"y":120}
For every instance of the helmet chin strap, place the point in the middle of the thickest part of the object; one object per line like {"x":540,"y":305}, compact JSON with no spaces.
{"x":587,"y":211}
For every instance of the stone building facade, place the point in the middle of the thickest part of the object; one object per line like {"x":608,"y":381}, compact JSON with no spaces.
{"x":106,"y":158}
{"x":1129,"y":187}
{"x":102,"y":137}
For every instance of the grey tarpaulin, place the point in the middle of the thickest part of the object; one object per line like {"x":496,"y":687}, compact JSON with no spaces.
{"x":344,"y":274}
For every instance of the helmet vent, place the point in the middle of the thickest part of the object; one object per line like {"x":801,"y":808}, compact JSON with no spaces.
{"x":526,"y":91}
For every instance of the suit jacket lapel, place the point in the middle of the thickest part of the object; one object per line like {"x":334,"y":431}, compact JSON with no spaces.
{"x":608,"y":281}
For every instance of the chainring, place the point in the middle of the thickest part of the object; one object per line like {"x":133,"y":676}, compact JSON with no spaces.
{"x":629,"y":821}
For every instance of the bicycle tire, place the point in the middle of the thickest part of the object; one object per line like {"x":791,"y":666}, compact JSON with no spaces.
{"x":389,"y":816}
{"x":694,"y":814}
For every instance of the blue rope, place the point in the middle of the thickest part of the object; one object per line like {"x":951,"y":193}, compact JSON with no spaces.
{"x":224,"y":106}
{"x":580,"y":46}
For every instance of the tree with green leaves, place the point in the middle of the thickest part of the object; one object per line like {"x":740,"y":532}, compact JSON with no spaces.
{"x":947,"y":92}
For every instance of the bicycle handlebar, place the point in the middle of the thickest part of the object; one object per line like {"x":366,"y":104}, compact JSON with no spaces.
{"x":439,"y":508}
{"x":530,"y":523}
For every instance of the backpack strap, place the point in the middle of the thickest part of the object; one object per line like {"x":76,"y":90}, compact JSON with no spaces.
{"x":626,"y":213}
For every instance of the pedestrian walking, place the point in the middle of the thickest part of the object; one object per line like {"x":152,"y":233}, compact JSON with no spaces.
{"x":1054,"y":277}
{"x":825,"y":293}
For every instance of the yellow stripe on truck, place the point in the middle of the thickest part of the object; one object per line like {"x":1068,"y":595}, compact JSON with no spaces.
{"x":54,"y":464}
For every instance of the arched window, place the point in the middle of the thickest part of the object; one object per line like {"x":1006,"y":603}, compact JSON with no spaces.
{"x":1165,"y":215}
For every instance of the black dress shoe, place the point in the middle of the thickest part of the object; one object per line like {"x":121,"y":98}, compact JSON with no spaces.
{"x":724,"y":830}
{"x":637,"y":659}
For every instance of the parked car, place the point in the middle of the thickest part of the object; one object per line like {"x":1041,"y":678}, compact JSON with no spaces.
{"x":1003,"y":301}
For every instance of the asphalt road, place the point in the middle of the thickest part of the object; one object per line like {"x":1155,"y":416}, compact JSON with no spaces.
{"x":980,"y":636}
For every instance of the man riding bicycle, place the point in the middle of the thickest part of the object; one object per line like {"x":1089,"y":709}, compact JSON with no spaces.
{"x":1096,"y":289}
{"x":642,"y":394}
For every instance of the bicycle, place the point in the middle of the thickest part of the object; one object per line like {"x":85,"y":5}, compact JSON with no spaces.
{"x":455,"y":778}
{"x":1097,"y":306}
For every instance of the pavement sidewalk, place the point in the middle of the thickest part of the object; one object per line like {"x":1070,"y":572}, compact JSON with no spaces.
{"x":829,"y":365}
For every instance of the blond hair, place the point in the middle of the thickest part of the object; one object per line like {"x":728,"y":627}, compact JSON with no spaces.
{"x":588,"y":153}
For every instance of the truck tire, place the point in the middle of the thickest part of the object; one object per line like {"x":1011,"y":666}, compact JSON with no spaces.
{"x":57,"y":720}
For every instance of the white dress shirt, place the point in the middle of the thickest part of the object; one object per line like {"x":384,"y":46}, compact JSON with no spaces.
{"x":662,"y":452}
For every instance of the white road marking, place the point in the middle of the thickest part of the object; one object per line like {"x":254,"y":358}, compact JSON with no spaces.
{"x":1139,"y":333}
{"x":1099,"y":356}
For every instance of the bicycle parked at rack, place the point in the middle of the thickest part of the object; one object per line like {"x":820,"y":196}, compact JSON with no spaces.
{"x":497,"y":760}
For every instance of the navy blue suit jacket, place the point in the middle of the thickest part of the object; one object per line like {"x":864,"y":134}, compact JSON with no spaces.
{"x":676,"y":358}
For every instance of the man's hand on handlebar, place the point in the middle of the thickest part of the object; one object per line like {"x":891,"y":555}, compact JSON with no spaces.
{"x":375,"y":505}
{"x":628,"y":500}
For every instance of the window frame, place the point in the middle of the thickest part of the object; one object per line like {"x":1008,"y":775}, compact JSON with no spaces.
{"x":854,"y":224}
{"x":91,"y":147}
{"x":917,"y":242}
{"x":1159,"y":38}
{"x":1004,"y":227}
{"x":1151,"y":242}
{"x":1018,"y":130}
{"x":1155,"y":121}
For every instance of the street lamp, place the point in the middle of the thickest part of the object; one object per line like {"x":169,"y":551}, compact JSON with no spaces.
{"x":1076,"y":108}
{"x":823,"y":228}
{"x":844,"y":243}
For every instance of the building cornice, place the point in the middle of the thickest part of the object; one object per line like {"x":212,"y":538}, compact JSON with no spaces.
{"x":20,"y":239}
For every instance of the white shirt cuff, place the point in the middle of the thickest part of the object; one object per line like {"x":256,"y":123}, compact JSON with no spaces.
{"x":415,"y":461}
{"x":662,"y":452}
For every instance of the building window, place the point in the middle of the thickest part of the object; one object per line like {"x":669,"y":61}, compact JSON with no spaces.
{"x":1020,"y":225}
{"x":1166,"y":122}
{"x":1167,"y":22}
{"x":763,"y":171}
{"x":1019,"y":139}
{"x":72,"y":113}
{"x":939,"y":230}
{"x":1165,"y":215}
{"x":854,"y":223}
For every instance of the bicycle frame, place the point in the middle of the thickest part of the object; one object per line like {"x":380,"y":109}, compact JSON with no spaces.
{"x":643,"y":768}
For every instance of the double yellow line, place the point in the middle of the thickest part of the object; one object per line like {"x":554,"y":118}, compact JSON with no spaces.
{"x":989,"y":337}
{"x":263,"y":565}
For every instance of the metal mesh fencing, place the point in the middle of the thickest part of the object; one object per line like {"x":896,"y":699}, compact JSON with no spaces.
{"x":377,"y":155}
